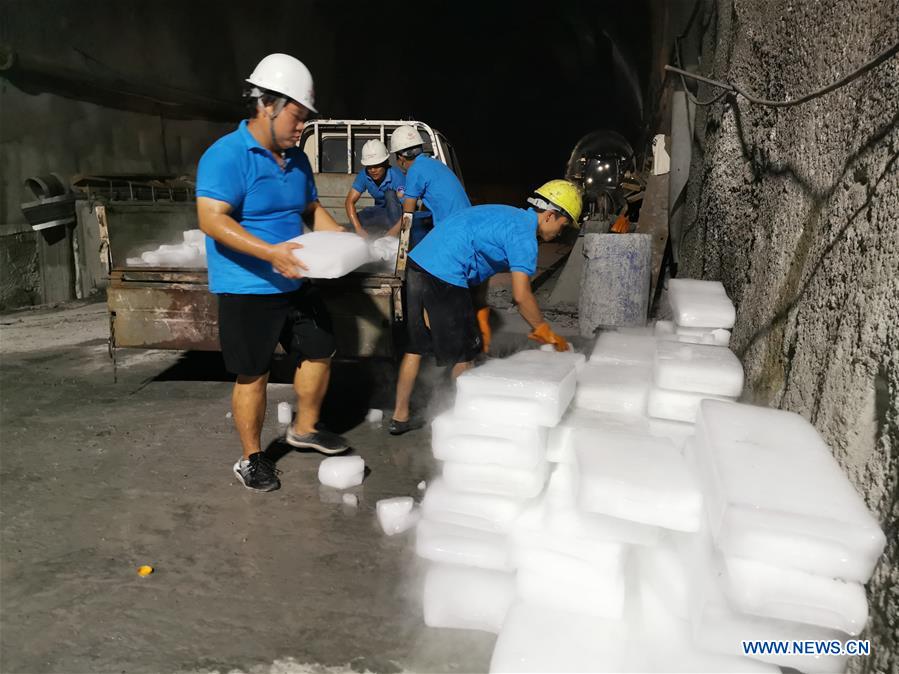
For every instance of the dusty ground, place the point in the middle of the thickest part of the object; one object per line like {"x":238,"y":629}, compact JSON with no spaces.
{"x":97,"y":478}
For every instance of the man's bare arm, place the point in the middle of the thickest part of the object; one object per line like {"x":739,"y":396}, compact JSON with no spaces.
{"x":215,"y":221}
{"x":319,"y":220}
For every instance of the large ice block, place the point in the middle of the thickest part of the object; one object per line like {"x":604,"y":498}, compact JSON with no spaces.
{"x":639,"y":478}
{"x":559,"y":445}
{"x":717,"y":627}
{"x":453,"y":544}
{"x":617,"y":389}
{"x":777,"y":495}
{"x":562,"y":515}
{"x":456,"y":438}
{"x":536,"y":544}
{"x":623,"y":348}
{"x":666,"y":641}
{"x":677,"y":405}
{"x":538,"y":639}
{"x":518,"y":483}
{"x":700,"y":304}
{"x":543,"y":356}
{"x":661,"y":568}
{"x":600,"y":595}
{"x":330,"y":254}
{"x":542,"y":382}
{"x":697,"y":367}
{"x":772,"y":591}
{"x":479,"y":511}
{"x":467,"y":598}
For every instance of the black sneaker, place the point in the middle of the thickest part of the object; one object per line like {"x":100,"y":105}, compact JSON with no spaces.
{"x":321,"y":440}
{"x":257,"y":473}
{"x":400,"y":427}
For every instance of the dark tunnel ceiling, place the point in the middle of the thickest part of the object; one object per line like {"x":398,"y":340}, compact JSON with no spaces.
{"x":513,"y":89}
{"x":513,"y":85}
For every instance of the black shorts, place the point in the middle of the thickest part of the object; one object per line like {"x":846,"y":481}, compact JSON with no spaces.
{"x":250,"y":326}
{"x":453,"y":336}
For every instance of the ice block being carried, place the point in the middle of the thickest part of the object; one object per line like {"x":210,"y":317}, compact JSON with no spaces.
{"x":330,"y":254}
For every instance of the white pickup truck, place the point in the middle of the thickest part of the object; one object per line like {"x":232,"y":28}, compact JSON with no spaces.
{"x":170,"y":307}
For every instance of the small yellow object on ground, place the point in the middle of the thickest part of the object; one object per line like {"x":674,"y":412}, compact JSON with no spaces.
{"x":144,"y":570}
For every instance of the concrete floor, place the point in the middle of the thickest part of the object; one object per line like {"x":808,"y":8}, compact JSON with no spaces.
{"x":97,"y":478}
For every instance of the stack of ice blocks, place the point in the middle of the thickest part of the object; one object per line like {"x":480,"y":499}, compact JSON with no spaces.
{"x":654,"y":545}
{"x":492,"y":446}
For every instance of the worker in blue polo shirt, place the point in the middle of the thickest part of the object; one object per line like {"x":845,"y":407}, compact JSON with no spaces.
{"x":254,"y":191}
{"x":463,"y":251}
{"x":384,"y":183}
{"x":427,"y":179}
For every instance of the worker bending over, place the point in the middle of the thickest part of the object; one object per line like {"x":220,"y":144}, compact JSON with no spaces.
{"x":465,"y":250}
{"x":384,"y":183}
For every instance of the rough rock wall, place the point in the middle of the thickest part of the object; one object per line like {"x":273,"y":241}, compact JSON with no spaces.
{"x":796,"y":210}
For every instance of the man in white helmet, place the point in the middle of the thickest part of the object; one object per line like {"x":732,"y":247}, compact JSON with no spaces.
{"x":254,"y":191}
{"x":383,"y":182}
{"x":427,"y":179}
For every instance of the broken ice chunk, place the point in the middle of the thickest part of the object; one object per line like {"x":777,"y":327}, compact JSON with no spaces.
{"x":396,"y":515}
{"x":342,"y":472}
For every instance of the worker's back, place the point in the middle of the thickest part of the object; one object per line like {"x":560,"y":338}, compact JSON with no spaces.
{"x":477,"y":242}
{"x":437,"y":186}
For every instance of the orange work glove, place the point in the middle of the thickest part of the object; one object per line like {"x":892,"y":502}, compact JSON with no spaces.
{"x":544,"y":334}
{"x":484,"y":325}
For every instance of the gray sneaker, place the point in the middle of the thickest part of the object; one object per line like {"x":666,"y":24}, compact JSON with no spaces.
{"x":257,"y":473}
{"x":320,"y":440}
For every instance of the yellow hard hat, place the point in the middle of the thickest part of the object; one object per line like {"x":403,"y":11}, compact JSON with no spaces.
{"x":564,"y":195}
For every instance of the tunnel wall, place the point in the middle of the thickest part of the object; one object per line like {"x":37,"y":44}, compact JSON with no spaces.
{"x":796,"y":210}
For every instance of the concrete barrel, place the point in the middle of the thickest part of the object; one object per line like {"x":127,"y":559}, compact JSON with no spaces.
{"x":615,"y":281}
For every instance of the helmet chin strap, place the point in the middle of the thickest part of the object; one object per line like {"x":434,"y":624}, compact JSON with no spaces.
{"x":278,"y":107}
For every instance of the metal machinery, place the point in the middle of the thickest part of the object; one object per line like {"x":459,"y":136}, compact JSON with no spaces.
{"x":598,"y":163}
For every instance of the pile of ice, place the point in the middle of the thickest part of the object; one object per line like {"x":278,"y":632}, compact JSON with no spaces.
{"x":591,"y":536}
{"x":189,"y":253}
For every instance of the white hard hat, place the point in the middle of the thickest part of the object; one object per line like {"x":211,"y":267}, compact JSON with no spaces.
{"x":285,"y":75}
{"x":374,"y":152}
{"x":405,"y":137}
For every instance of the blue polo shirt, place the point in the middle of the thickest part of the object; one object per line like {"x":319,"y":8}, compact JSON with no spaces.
{"x":265,"y":199}
{"x":394,"y":180}
{"x":433,"y":182}
{"x":477,"y":242}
